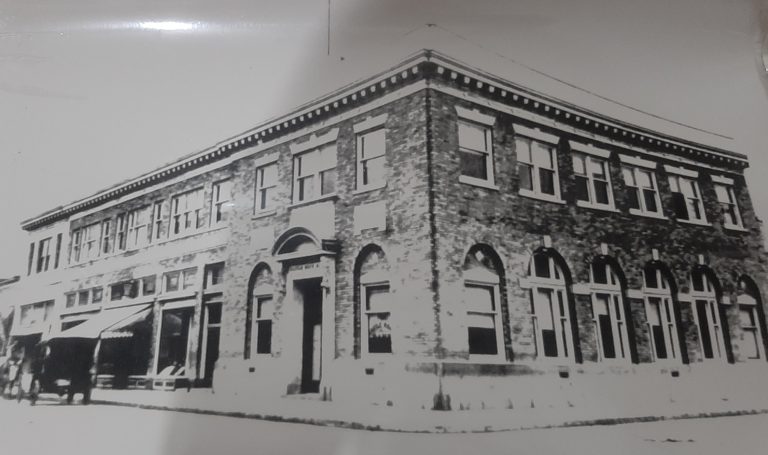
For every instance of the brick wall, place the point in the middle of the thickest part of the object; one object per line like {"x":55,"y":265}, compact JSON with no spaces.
{"x":514,"y":226}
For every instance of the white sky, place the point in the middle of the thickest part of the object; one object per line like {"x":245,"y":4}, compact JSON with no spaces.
{"x":89,"y":98}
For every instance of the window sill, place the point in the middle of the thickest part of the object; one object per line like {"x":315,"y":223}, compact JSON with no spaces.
{"x":653,"y":215}
{"x":369,"y":188}
{"x":478,"y":182}
{"x":263,"y":214}
{"x":327,"y":197}
{"x":541,"y":197}
{"x":602,"y":208}
{"x":694,"y":223}
{"x":734,"y":228}
{"x":177,"y":295}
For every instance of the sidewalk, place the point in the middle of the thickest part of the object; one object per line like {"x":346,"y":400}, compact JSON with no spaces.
{"x":300,"y":410}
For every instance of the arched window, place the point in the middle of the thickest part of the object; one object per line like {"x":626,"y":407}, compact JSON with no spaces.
{"x":707,"y":313}
{"x":482,"y":299}
{"x":608,"y":311}
{"x":550,"y":308}
{"x":751,"y":320}
{"x":660,"y":312}
{"x":260,"y":313}
{"x":372,"y":272}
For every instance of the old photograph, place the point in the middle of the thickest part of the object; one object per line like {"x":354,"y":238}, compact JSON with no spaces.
{"x":374,"y":227}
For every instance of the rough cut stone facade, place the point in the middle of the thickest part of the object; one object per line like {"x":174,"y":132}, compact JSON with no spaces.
{"x":437,"y":234}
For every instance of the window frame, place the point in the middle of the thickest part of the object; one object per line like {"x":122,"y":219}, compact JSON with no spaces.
{"x":487,"y":153}
{"x":732,"y":204}
{"x":262,"y":202}
{"x":666,"y":309}
{"x":366,"y":312}
{"x":563,"y":342}
{"x":360,"y":168}
{"x":138,"y":227}
{"x":316,"y":175}
{"x":105,"y":245}
{"x":591,"y":181}
{"x":643,"y":210}
{"x":181,"y":216}
{"x":613,"y":289}
{"x":220,"y":208}
{"x":709,"y":296}
{"x":535,"y":169}
{"x":676,"y":182}
{"x":43,"y":254}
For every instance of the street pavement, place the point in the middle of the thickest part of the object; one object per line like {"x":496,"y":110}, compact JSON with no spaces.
{"x":54,"y":428}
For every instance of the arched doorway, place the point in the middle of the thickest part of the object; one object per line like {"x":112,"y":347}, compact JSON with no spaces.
{"x":308,"y":325}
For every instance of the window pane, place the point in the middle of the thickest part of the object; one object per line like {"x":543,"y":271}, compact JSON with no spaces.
{"x":634,"y":200}
{"x":582,"y":189}
{"x":649,"y":196}
{"x":479,"y":298}
{"x":722,"y":193}
{"x":189,"y":278}
{"x":547,"y":181}
{"x":629,"y":176}
{"x":473,"y":165}
{"x":265,"y":308}
{"x":373,"y":144}
{"x":644,"y":179}
{"x":525,"y":172}
{"x":472,"y":136}
{"x":596,"y":168}
{"x":98,"y":295}
{"x":264,"y":337}
{"x":377,"y":298}
{"x":482,"y":341}
{"x":601,"y":192}
{"x":599,"y":273}
{"x":172,"y":281}
{"x":523,"y":150}
{"x":542,"y":155}
{"x":373,"y":171}
{"x":578,"y":165}
{"x":379,"y":333}
{"x":328,"y":181}
{"x":541,"y":265}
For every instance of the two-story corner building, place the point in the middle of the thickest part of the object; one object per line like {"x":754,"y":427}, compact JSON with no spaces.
{"x":432,"y":236}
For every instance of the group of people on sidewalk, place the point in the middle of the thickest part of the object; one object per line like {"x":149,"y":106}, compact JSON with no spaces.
{"x":26,"y":375}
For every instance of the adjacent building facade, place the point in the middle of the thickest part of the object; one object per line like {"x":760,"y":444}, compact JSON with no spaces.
{"x":432,"y":236}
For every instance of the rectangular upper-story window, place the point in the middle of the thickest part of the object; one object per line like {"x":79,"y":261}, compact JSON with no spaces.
{"x":187,"y":212}
{"x":371,"y":159}
{"x":221,"y":201}
{"x":180,"y":280}
{"x":157,"y":220}
{"x":43,"y":255}
{"x":74,"y":254}
{"x":314,"y":174}
{"x":138,"y":227}
{"x":537,"y":168}
{"x":266,"y":187}
{"x":121,"y":236}
{"x":593,"y":182}
{"x":58,"y":251}
{"x":106,"y":236}
{"x":89,"y":242}
{"x":475,"y":152}
{"x":727,"y":200}
{"x":30,"y":258}
{"x":642,"y":190}
{"x":686,"y":198}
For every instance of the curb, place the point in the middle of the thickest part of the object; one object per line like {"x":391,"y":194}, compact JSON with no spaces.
{"x":488,"y":429}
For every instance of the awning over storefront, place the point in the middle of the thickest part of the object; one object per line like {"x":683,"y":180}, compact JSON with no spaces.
{"x":106,"y":320}
{"x":123,"y":328}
